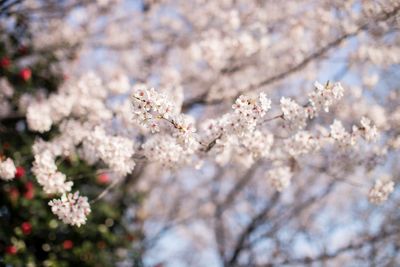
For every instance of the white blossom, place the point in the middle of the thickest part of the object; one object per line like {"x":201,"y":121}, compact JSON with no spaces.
{"x":337,"y":130}
{"x":60,"y":106}
{"x":280,"y":177}
{"x":119,"y":84}
{"x":257,"y":144}
{"x":165,"y":150}
{"x":224,"y":149}
{"x":6,"y":90}
{"x":5,"y":107}
{"x":325,"y":96}
{"x":301,"y":143}
{"x":201,"y":158}
{"x":89,"y":84}
{"x":54,"y":183}
{"x":115,"y":151}
{"x":250,"y":110}
{"x":381,"y":190}
{"x":185,"y":131}
{"x":7,"y":169}
{"x":339,"y":134}
{"x":371,"y":80}
{"x":38,"y":116}
{"x":370,"y":132}
{"x":150,"y":108}
{"x":75,"y":130}
{"x":45,"y":170}
{"x":244,"y":149}
{"x":71,"y":208}
{"x":293,"y":113}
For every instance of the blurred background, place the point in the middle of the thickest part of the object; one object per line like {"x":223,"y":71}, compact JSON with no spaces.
{"x":204,"y":54}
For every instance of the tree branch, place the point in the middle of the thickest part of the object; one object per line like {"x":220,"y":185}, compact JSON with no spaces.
{"x":202,"y":99}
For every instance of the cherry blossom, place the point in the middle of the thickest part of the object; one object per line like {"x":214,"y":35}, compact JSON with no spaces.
{"x":7,"y":169}
{"x":71,"y":208}
{"x":381,"y":190}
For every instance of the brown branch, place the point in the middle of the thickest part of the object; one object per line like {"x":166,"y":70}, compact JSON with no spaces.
{"x":258,"y":220}
{"x":384,"y":16}
{"x":250,"y":229}
{"x":350,"y":247}
{"x":237,"y":188}
{"x":214,"y":141}
{"x":286,"y":217}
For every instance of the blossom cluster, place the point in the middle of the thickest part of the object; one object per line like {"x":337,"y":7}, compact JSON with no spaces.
{"x":84,"y":98}
{"x":7,"y":169}
{"x":156,"y":112}
{"x":150,"y":108}
{"x":239,"y":135}
{"x":321,"y":98}
{"x":207,"y":144}
{"x":249,"y":111}
{"x":302,"y":142}
{"x":165,"y":150}
{"x":80,"y":111}
{"x":381,"y":190}
{"x":90,"y":127}
{"x":6,"y":93}
{"x":71,"y":208}
{"x":234,"y":136}
{"x":115,"y":151}
{"x":345,"y":139}
{"x":244,"y":148}
{"x":280,"y":177}
{"x":45,"y":170}
{"x":292,"y":112}
{"x":325,"y":96}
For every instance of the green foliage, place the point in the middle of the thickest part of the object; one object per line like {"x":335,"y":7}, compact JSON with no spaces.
{"x":30,"y":235}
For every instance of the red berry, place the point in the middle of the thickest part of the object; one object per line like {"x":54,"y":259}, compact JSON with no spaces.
{"x":30,"y":191}
{"x":26,"y":228}
{"x":25,"y":74}
{"x":68,"y":244}
{"x":103,"y":178}
{"x":29,"y":195}
{"x":20,"y":172}
{"x":5,"y":62}
{"x":12,"y":250}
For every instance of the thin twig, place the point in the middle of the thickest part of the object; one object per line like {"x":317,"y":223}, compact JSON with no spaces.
{"x":102,"y":194}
